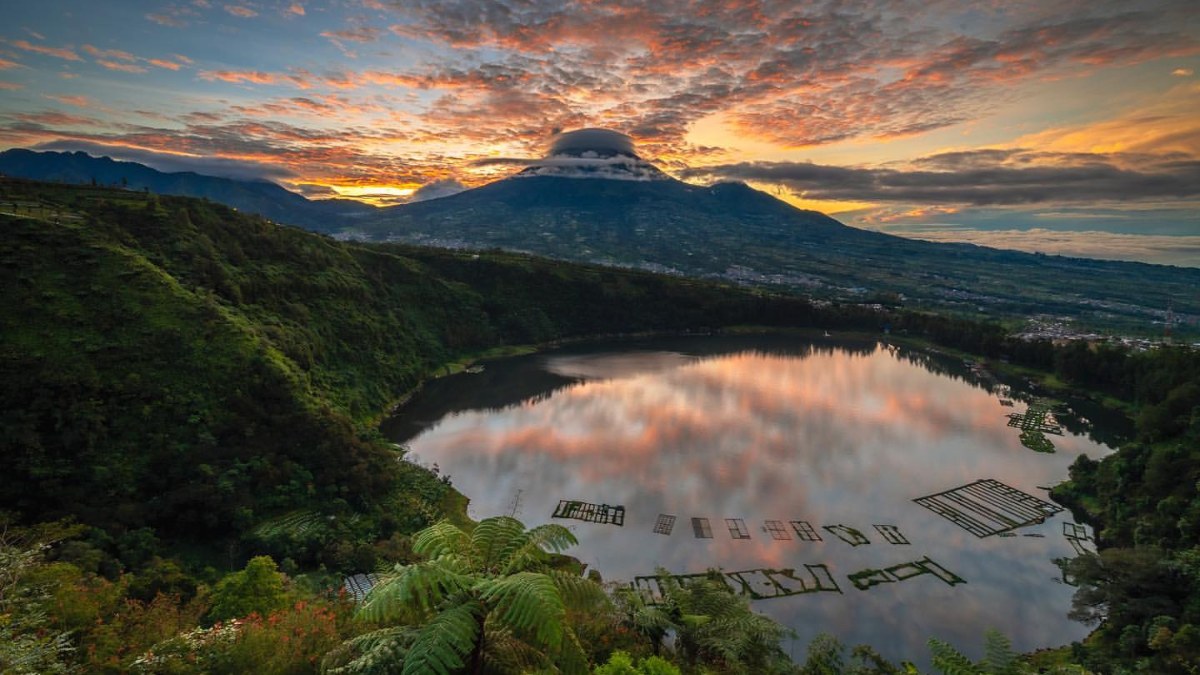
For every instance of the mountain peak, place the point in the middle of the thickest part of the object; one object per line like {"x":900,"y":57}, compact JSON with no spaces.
{"x":593,"y":153}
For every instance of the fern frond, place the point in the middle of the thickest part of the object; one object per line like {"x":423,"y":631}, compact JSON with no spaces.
{"x":652,"y":619}
{"x":528,"y":603}
{"x":505,"y":653}
{"x":949,"y":660}
{"x":295,"y":524}
{"x":491,"y":537}
{"x":442,"y":644}
{"x":999,"y":657}
{"x":423,"y":585}
{"x":578,"y":592}
{"x":380,"y":651}
{"x":530,"y":548}
{"x":572,"y":657}
{"x":441,"y":538}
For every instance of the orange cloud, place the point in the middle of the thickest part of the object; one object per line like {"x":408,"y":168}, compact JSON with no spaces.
{"x":166,"y":20}
{"x":58,"y":53}
{"x":5,"y":64}
{"x":57,"y":119}
{"x":254,"y":77}
{"x":163,"y":63}
{"x":10,"y":86}
{"x":79,"y":101}
{"x":122,"y":67}
{"x":238,"y":10}
{"x":109,"y":53}
{"x":296,"y":8}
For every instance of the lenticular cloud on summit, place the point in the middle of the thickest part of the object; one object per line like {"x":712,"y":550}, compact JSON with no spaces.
{"x":593,"y":153}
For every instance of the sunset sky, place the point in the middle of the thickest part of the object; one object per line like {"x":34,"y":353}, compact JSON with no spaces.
{"x":1064,"y":127}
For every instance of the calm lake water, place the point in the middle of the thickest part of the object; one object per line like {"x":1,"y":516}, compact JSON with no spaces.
{"x":771,"y":428}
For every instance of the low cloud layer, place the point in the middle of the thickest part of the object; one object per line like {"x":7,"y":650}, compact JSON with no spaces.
{"x":984,"y":177}
{"x":1182,"y":251}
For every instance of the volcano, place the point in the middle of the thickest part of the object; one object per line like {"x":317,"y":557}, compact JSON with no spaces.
{"x":592,"y":198}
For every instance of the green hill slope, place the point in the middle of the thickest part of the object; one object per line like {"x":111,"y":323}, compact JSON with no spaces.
{"x":173,"y":364}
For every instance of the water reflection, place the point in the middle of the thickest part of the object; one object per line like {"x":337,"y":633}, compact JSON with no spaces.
{"x":785,"y":432}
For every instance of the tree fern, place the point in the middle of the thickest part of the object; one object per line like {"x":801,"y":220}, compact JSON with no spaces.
{"x":577,"y":591}
{"x":949,"y":660}
{"x":375,"y":653}
{"x":530,"y":548}
{"x":529,"y":603}
{"x":422,"y":585}
{"x":441,"y":538}
{"x":486,"y":597}
{"x":442,"y":645}
{"x":490,"y":539}
{"x":999,"y":657}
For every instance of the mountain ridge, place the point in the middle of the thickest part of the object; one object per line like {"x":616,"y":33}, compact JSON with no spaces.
{"x":724,"y":231}
{"x":263,"y":197}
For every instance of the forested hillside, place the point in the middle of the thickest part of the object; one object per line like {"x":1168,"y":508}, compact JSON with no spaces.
{"x":196,"y":386}
{"x":172,"y":364}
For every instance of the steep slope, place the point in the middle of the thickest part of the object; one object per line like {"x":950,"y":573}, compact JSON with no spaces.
{"x":264,"y":198}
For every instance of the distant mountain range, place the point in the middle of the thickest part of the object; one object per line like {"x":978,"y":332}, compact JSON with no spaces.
{"x":261,"y":197}
{"x":627,"y":213}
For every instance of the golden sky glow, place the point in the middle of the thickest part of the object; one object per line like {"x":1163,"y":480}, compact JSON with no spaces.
{"x":876,"y":107}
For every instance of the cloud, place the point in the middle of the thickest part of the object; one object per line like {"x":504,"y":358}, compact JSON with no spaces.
{"x":166,"y":20}
{"x":123,"y":67}
{"x":437,"y":189}
{"x":163,"y":63}
{"x":241,"y":11}
{"x":980,"y":177}
{"x":1182,"y":72}
{"x":64,"y":53}
{"x":173,"y":162}
{"x":5,"y":64}
{"x":77,"y":101}
{"x":301,"y":80}
{"x":314,"y":191}
{"x":295,"y":9}
{"x":111,"y":54}
{"x":786,"y":73}
{"x":356,"y":34}
{"x":10,"y":86}
{"x":1157,"y":249}
{"x":56,"y":118}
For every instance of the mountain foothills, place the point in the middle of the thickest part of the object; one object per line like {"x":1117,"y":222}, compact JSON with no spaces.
{"x":595,"y":201}
{"x":185,"y":388}
{"x":262,"y":197}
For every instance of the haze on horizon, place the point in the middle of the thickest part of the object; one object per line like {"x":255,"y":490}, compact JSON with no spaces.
{"x":1055,"y":126}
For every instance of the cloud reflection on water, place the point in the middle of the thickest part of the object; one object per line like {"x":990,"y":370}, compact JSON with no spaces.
{"x":829,"y":437}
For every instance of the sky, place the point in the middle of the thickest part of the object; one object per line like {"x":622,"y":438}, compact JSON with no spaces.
{"x":1050,"y":125}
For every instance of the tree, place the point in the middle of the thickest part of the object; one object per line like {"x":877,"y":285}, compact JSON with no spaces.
{"x":28,"y":642}
{"x":489,"y":598}
{"x":621,"y":663}
{"x":257,"y":588}
{"x":999,"y":658}
{"x":712,"y":626}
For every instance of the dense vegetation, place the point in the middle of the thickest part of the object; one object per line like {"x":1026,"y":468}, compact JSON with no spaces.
{"x":174,"y":369}
{"x":188,"y":387}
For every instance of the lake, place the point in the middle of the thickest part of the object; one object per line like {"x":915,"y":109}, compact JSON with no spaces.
{"x":814,"y":450}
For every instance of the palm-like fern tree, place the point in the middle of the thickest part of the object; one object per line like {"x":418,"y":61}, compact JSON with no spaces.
{"x":712,"y":626}
{"x":483,"y":601}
